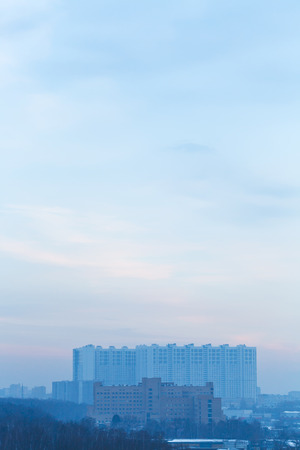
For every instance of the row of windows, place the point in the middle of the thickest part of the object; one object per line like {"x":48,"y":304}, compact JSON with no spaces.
{"x":117,"y":410}
{"x":113,"y":402}
{"x":103,"y":396}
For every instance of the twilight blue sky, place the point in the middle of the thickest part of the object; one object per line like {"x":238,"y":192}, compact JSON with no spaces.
{"x":149,"y":187}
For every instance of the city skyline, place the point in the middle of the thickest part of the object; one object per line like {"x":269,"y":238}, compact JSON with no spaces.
{"x":149,"y":187}
{"x":232,"y":370}
{"x":90,"y":370}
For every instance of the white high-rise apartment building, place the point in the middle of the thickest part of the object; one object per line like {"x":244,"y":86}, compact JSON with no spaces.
{"x":232,"y":369}
{"x":115,"y":366}
{"x":84,"y":363}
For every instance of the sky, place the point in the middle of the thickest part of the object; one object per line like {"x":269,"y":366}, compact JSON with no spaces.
{"x":149,"y":188}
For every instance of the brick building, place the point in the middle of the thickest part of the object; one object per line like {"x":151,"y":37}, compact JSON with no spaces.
{"x":154,"y":400}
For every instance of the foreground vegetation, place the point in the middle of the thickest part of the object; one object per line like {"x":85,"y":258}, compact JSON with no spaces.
{"x":23,"y":428}
{"x":50,"y":425}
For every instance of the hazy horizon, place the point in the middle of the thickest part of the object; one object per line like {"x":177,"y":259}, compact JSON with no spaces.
{"x":149,"y":181}
{"x":63,"y":361}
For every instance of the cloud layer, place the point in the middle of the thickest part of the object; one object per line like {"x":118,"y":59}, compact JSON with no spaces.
{"x":149,"y":186}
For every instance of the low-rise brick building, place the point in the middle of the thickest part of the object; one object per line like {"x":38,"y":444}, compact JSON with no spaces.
{"x":154,"y":400}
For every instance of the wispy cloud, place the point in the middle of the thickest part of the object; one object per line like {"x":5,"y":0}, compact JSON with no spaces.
{"x":33,"y":351}
{"x":104,"y":250}
{"x":170,"y":156}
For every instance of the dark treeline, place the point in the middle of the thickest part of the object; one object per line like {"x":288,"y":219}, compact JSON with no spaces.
{"x":187,"y":429}
{"x":229,"y":429}
{"x":30,"y":425}
{"x":24,"y":428}
{"x":64,"y":411}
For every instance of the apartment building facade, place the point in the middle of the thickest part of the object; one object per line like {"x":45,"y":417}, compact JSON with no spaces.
{"x":233,"y":370}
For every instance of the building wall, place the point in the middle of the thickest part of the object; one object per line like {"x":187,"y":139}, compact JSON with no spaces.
{"x":115,"y":366}
{"x":66,"y":391}
{"x":38,"y":392}
{"x":73,"y":391}
{"x":125,"y":401}
{"x":154,"y":400}
{"x":84,"y":363}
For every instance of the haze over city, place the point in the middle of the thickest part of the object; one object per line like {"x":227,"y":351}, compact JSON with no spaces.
{"x":149,"y":181}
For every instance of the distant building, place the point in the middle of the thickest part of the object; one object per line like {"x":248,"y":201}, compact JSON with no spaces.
{"x":153,"y":400}
{"x":244,"y":414}
{"x":21,"y":391}
{"x":208,"y":444}
{"x":84,"y":363}
{"x":66,"y":391}
{"x":3,"y":392}
{"x":294,"y":395}
{"x":73,"y":391}
{"x":291,"y":414}
{"x":233,"y":370}
{"x":271,"y":400}
{"x":18,"y":391}
{"x":38,"y":392}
